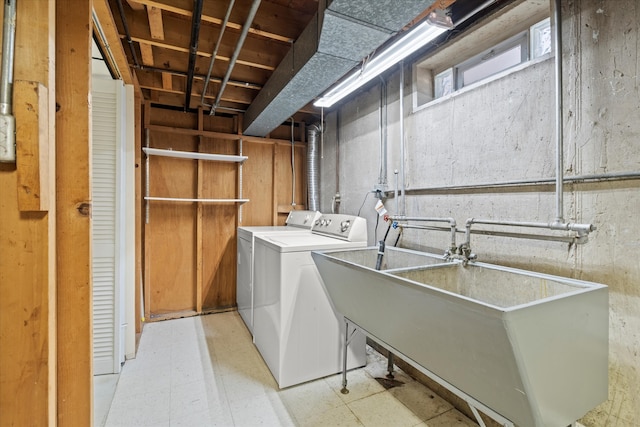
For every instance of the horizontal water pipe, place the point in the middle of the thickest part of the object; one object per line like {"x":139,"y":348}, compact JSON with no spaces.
{"x":451,"y":221}
{"x":578,"y":179}
{"x":582,"y":230}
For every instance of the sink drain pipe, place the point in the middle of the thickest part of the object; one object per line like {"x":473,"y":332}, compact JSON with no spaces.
{"x":7,"y":120}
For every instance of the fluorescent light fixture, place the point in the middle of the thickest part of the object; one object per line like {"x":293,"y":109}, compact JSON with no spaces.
{"x":405,"y":46}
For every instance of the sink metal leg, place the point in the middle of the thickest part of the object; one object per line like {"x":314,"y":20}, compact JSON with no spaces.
{"x":390,"y":366}
{"x":477,"y":414}
{"x":345,"y":390}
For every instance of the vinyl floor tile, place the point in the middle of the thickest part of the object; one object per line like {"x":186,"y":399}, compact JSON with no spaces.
{"x":205,"y":371}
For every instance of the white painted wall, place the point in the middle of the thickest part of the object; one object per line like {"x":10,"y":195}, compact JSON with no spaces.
{"x":504,"y":130}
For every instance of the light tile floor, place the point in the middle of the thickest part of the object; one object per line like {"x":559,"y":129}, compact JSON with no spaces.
{"x":205,"y":371}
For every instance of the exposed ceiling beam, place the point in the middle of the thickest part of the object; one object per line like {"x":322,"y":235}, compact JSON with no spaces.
{"x":155,"y":81}
{"x":167,"y":81}
{"x":135,"y":5}
{"x":200,"y":53}
{"x":109,"y":29}
{"x":155,"y":23}
{"x":174,"y":60}
{"x":175,"y":38}
{"x":146,"y":51}
{"x":270,"y":28}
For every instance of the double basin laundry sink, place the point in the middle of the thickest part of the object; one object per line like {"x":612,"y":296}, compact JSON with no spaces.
{"x":531,"y":347}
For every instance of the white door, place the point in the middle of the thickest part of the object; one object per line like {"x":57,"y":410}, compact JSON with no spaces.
{"x":108,"y":303}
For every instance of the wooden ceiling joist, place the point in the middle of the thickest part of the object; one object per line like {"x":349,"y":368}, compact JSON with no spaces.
{"x":199,"y":53}
{"x":167,"y":81}
{"x":269,"y":30}
{"x":155,"y":23}
{"x":146,"y":51}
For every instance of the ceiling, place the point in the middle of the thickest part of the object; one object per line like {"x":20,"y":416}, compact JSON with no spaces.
{"x":168,"y":52}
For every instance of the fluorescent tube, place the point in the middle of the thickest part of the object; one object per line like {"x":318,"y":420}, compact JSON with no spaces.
{"x":411,"y":42}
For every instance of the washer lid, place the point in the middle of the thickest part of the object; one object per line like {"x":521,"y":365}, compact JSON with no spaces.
{"x":296,"y":242}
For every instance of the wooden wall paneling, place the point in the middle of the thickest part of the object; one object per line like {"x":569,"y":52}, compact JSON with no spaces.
{"x":283,"y":178}
{"x":172,"y":118}
{"x":73,"y":182}
{"x":258,"y":183}
{"x":28,"y":250}
{"x":219,"y":228}
{"x":172,"y":227}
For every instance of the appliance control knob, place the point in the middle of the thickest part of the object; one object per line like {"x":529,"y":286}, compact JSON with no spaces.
{"x":317,"y":222}
{"x":344,"y":225}
{"x":328,"y":222}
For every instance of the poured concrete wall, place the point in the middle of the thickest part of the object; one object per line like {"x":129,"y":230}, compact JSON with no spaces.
{"x":504,"y":130}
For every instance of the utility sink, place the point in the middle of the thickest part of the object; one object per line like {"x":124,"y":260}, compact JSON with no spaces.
{"x":531,"y":347}
{"x":394,"y":258}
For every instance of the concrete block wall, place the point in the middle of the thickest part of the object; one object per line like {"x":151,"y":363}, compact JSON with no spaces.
{"x":504,"y":130}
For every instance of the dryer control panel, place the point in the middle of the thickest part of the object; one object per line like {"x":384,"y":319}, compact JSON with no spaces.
{"x":346,"y":227}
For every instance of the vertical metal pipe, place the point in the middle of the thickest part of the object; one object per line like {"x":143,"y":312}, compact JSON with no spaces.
{"x":127,"y":33}
{"x":344,"y":389}
{"x":7,"y":121}
{"x":236,"y":52}
{"x":557,"y":30}
{"x":240,"y":185}
{"x":382,"y":176}
{"x":402,"y":154}
{"x":147,"y":175}
{"x":8,"y":51}
{"x":293,"y":167}
{"x":313,"y":168}
{"x":215,"y":49}
{"x":193,"y":49}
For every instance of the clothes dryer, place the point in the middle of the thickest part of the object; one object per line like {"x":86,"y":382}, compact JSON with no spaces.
{"x":295,"y":328}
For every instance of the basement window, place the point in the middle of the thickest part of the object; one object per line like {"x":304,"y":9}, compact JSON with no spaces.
{"x":518,"y":49}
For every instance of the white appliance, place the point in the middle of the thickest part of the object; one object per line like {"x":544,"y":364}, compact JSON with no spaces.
{"x":297,"y":222}
{"x":295,"y":328}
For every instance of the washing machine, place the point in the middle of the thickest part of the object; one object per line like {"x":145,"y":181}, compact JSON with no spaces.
{"x":295,"y":328}
{"x":297,"y":222}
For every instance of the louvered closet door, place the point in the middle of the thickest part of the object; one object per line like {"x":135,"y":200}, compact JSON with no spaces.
{"x":107,"y":354}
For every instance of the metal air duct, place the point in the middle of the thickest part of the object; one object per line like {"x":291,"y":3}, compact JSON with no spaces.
{"x":340,"y":35}
{"x":313,"y":168}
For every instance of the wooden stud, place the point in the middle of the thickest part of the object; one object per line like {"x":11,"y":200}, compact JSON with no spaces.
{"x":28,"y":246}
{"x":31,"y":105}
{"x":155,"y":23}
{"x":146,"y":51}
{"x":135,"y":5}
{"x":108,"y":25}
{"x":73,"y":208}
{"x":167,"y":81}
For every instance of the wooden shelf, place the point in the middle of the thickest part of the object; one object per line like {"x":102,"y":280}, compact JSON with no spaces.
{"x":192,"y":155}
{"x":180,"y":199}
